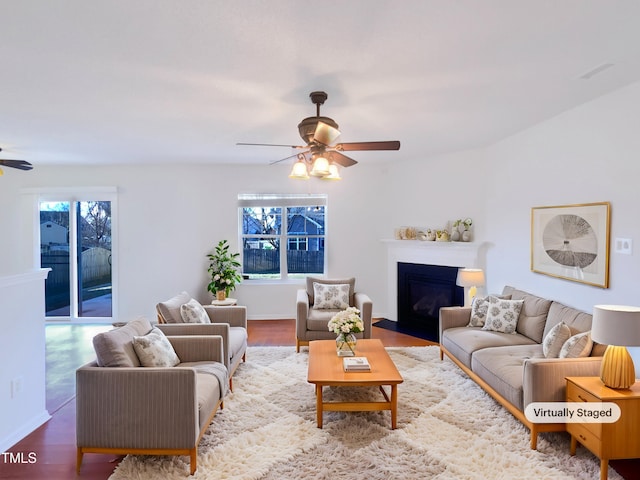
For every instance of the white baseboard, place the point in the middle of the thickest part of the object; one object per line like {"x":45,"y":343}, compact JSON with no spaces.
{"x":13,"y":438}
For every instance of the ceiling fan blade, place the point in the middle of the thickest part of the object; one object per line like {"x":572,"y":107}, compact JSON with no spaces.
{"x":352,"y":146}
{"x":325,"y":133}
{"x":340,"y":159}
{"x":19,"y":164}
{"x":288,"y":158}
{"x":271,"y":145}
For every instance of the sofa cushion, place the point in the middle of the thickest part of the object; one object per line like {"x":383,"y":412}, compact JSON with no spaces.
{"x":533,"y":315}
{"x":331,"y":295}
{"x":462,"y":342}
{"x":170,"y":310}
{"x":350,"y":281}
{"x":502,"y":315}
{"x":193,"y":312}
{"x":578,"y":321}
{"x":502,"y":367}
{"x":115,"y":347}
{"x":579,"y":345}
{"x":554,"y":340}
{"x":155,"y":350}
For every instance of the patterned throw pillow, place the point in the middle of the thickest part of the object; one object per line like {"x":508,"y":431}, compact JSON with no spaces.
{"x":331,"y":296}
{"x":155,"y":350}
{"x":193,"y":312}
{"x":579,"y":345}
{"x":479,"y":307}
{"x":555,"y":339}
{"x":502,"y":315}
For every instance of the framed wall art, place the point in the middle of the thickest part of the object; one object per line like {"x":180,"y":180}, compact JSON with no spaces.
{"x":572,"y":242}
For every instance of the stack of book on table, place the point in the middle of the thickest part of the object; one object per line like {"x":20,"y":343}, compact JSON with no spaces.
{"x":356,"y":364}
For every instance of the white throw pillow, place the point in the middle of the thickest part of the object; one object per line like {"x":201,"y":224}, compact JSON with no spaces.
{"x":579,"y":345}
{"x":553,"y":342}
{"x":193,"y":312}
{"x":502,"y":315}
{"x":155,"y":350}
{"x":331,"y":296}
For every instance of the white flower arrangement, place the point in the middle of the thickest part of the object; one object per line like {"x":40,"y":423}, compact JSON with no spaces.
{"x":347,"y":321}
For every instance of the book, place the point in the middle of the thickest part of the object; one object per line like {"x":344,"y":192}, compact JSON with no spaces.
{"x":356,"y":364}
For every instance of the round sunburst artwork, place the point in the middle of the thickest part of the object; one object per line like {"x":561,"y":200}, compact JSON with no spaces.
{"x":570,"y":241}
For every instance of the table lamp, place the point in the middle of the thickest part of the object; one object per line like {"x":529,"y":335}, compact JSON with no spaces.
{"x":617,"y":326}
{"x":470,"y":278}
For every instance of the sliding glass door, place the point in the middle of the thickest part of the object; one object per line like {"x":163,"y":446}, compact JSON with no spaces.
{"x":76,"y":244}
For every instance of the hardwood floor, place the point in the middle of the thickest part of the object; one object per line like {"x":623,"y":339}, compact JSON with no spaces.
{"x":53,"y":444}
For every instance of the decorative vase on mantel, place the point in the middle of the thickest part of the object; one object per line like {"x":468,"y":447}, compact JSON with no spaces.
{"x":346,"y":345}
{"x":221,"y":295}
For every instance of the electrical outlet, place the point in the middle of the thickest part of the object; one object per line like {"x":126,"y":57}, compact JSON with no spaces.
{"x":16,"y":387}
{"x":623,"y":245}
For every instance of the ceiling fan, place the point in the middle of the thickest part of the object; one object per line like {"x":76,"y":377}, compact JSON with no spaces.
{"x":19,"y":164}
{"x":320,"y":157}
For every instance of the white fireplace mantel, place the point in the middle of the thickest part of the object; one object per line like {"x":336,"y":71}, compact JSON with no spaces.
{"x":452,"y":254}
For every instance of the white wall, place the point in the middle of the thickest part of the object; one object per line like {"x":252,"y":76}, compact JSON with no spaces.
{"x":22,"y":356}
{"x":170,"y":217}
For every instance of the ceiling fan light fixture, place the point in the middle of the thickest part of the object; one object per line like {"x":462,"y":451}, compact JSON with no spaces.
{"x":320,"y":167}
{"x":334,"y":173}
{"x":299,"y":171}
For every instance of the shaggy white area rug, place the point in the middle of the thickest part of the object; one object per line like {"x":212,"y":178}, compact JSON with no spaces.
{"x":448,"y":428}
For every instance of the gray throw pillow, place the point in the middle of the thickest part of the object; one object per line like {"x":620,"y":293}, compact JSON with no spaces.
{"x":155,"y":350}
{"x":553,"y":342}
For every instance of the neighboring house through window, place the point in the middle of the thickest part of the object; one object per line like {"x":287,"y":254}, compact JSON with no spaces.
{"x":282,"y":236}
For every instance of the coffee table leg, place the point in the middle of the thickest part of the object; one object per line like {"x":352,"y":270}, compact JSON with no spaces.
{"x":394,"y":406}
{"x":319,"y":405}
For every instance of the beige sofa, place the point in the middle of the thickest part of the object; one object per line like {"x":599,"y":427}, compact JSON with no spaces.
{"x":512,"y":367}
{"x":124,"y":407}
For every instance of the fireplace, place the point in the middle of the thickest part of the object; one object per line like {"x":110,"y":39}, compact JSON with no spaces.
{"x":422,"y":290}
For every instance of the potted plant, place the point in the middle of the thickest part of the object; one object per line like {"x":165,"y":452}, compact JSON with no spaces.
{"x":224,"y":270}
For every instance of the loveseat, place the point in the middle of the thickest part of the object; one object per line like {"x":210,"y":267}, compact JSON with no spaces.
{"x":147,"y":393}
{"x":520,"y":363}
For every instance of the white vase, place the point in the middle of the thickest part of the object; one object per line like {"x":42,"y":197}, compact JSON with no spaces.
{"x":466,"y":236}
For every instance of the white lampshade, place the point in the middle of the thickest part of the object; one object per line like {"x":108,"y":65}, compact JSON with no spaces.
{"x":470,"y":277}
{"x":334,"y":173}
{"x":320,"y":167}
{"x":617,"y":326}
{"x":299,"y":171}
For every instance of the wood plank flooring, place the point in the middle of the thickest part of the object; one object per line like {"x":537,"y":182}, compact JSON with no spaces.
{"x":54,"y":443}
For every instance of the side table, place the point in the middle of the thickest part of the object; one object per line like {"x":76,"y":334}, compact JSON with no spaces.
{"x":607,"y":441}
{"x":227,"y":302}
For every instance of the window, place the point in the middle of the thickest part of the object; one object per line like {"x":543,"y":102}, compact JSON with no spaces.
{"x":295,"y":222}
{"x":76,"y":243}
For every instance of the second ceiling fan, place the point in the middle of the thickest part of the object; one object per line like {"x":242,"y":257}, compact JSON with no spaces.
{"x":320,"y":156}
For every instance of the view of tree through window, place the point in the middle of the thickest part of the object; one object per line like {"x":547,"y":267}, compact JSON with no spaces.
{"x":280,"y":241}
{"x":75,"y":242}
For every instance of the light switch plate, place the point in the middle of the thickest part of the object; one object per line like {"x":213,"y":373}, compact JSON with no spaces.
{"x":623,"y":245}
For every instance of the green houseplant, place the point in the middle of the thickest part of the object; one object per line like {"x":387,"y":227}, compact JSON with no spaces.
{"x":224,"y":270}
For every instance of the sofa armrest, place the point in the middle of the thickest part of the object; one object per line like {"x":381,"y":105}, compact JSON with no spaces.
{"x":363,"y":303}
{"x":451,"y":317}
{"x":198,"y":348}
{"x":115,"y":407}
{"x":235,"y":316}
{"x":302,"y":310}
{"x":544,"y":379}
{"x":189,"y":329}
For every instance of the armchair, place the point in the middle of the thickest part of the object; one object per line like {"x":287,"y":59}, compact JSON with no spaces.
{"x":311,"y":322}
{"x":228,"y":322}
{"x":124,"y":408}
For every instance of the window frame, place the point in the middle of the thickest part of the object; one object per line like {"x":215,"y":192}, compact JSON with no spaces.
{"x":72,"y":196}
{"x":283,"y":201}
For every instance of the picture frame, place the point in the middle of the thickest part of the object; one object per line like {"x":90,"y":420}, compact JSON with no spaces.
{"x":572,"y":242}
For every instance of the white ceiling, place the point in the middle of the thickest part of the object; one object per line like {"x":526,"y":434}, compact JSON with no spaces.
{"x":181,"y":81}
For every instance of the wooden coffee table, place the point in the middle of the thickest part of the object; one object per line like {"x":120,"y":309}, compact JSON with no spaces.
{"x":325,"y":370}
